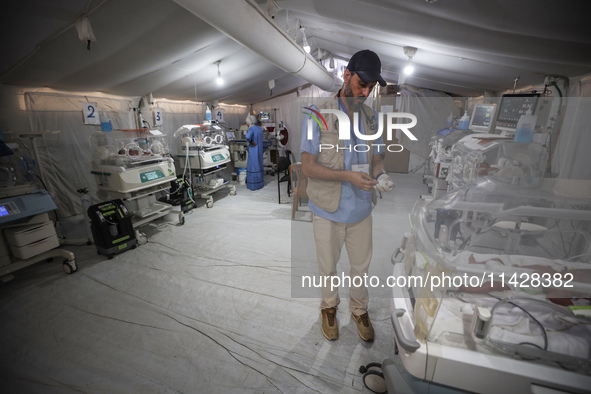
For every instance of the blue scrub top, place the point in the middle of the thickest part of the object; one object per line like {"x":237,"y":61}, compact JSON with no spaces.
{"x":355,"y":204}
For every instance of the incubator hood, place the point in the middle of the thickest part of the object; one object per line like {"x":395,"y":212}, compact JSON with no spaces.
{"x":479,"y":155}
{"x":128,"y":148}
{"x":508,"y":215}
{"x":201,"y":136}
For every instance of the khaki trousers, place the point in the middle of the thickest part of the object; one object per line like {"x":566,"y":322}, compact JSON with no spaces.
{"x":330,"y":237}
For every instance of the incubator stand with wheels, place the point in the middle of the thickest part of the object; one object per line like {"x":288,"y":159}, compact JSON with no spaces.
{"x":134,"y":166}
{"x":479,"y":155}
{"x":202,"y":155}
{"x":494,"y":289}
{"x":27,"y":234}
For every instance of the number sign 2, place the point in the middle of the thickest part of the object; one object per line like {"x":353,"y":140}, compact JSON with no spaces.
{"x":91,"y":113}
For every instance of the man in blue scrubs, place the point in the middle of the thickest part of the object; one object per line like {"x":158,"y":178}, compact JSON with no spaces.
{"x":343,"y":176}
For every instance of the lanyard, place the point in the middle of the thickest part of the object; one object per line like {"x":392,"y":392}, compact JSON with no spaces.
{"x":352,"y":132}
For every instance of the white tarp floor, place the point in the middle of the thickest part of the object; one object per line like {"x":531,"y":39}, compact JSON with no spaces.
{"x":200,"y":308}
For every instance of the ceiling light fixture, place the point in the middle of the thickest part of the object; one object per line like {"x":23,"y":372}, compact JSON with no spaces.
{"x":410,"y":52}
{"x":305,"y":42}
{"x":84,"y":29}
{"x":219,"y":79}
{"x":271,"y":9}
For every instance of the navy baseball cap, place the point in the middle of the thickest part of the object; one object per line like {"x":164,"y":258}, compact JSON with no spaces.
{"x":368,"y":66}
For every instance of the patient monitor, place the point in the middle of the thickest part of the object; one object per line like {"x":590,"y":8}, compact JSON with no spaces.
{"x":482,"y":120}
{"x":512,"y":107}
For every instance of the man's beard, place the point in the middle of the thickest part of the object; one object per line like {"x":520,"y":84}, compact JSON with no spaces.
{"x":352,"y":101}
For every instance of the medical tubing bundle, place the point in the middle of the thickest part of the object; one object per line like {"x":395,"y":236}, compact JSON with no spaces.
{"x":185,"y":170}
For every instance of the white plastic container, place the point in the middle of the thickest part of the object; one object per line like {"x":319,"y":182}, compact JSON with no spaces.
{"x":241,"y":175}
{"x":208,"y":114}
{"x":464,"y":122}
{"x":524,"y":132}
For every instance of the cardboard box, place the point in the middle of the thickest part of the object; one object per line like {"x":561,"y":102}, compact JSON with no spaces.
{"x":397,"y":161}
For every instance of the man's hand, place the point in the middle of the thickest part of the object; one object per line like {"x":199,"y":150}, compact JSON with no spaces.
{"x":384,"y":183}
{"x":362,"y":180}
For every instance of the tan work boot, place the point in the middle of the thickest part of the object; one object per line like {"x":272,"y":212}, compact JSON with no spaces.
{"x":364,"y":327}
{"x":329,"y":323}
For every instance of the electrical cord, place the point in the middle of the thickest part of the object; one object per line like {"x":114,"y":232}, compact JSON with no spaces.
{"x":508,"y":301}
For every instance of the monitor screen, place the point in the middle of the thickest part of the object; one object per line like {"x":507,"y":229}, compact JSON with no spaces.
{"x":264,"y":116}
{"x":3,"y":210}
{"x":482,"y":118}
{"x":229,"y":135}
{"x":513,"y":106}
{"x":151,"y":175}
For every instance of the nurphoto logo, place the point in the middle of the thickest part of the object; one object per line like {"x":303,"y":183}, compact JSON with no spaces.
{"x":345,"y":129}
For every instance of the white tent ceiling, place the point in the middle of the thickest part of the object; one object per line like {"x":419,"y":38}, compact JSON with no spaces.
{"x":159,"y":47}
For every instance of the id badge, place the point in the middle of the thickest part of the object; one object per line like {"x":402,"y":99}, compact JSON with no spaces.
{"x":360,"y":168}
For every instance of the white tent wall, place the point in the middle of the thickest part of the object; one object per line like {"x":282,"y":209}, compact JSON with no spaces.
{"x":234,"y":115}
{"x":13,"y":112}
{"x":66,"y":156}
{"x":572,"y":136}
{"x":572,"y":150}
{"x":431,"y":109}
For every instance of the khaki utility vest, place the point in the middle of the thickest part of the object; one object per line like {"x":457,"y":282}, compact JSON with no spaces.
{"x":327,"y":194}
